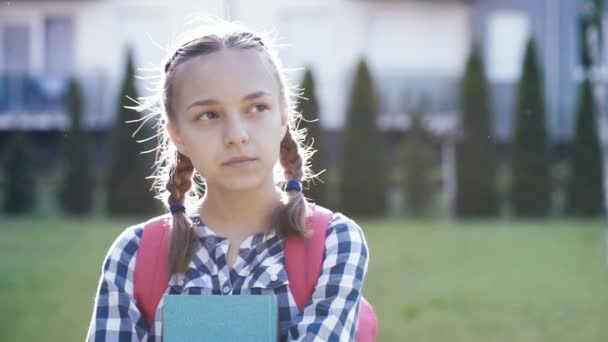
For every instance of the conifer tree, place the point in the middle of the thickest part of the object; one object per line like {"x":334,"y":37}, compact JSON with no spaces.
{"x":19,"y":177}
{"x":418,"y":164}
{"x":128,"y":190}
{"x":76,"y":195}
{"x":531,"y":192}
{"x":309,"y":107}
{"x":363,"y":181}
{"x":476,"y":190}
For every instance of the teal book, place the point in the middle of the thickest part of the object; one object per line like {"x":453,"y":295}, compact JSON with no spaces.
{"x":220,"y":318}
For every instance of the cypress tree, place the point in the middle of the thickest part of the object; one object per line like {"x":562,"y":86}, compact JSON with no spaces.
{"x":128,"y":190}
{"x":417,"y":156}
{"x":309,"y":107}
{"x":76,"y":194}
{"x":584,"y":193}
{"x":476,"y":189}
{"x":363,"y":182}
{"x":531,"y":165}
{"x":19,"y":177}
{"x":590,"y":17}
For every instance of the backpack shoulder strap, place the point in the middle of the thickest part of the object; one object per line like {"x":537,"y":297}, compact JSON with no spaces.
{"x":304,"y":257}
{"x":151,"y":278}
{"x":151,"y":274}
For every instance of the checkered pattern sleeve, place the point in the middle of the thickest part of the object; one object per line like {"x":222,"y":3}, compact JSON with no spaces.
{"x":116,"y":317}
{"x":332,"y":314}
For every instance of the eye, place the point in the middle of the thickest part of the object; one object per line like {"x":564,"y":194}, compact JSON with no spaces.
{"x":206,"y":116}
{"x":259,"y":108}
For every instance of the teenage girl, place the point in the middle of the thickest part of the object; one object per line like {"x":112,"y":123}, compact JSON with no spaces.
{"x":226,"y":118}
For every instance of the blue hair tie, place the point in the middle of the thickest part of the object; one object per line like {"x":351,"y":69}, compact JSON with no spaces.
{"x":176,"y":208}
{"x":293,"y":185}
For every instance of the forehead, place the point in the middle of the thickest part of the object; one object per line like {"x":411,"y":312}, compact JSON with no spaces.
{"x":223,"y":75}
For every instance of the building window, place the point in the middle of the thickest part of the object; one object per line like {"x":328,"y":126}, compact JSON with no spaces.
{"x":508,"y":32}
{"x":59,"y":45}
{"x":16,"y":49}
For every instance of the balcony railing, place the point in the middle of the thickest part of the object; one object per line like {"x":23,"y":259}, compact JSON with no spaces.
{"x":38,"y":102}
{"x":31,"y":94}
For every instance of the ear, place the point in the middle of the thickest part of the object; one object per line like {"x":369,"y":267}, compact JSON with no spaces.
{"x":176,"y":138}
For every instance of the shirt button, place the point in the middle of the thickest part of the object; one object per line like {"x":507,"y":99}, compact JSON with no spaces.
{"x":274,"y":277}
{"x":180,"y":282}
{"x":226,"y":289}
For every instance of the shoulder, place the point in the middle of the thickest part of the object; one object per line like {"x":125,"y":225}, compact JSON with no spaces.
{"x":124,"y":248}
{"x":346,"y":250}
{"x":341,"y":224}
{"x":345,"y":236}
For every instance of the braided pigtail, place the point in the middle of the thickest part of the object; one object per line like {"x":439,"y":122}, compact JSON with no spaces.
{"x":291,"y":217}
{"x":183,"y":238}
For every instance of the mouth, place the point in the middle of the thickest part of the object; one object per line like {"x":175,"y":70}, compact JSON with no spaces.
{"x":240,"y":162}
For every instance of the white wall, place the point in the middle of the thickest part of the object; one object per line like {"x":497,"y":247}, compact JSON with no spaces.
{"x":332,"y":36}
{"x":323,"y":37}
{"x":419,"y":38}
{"x":328,"y":35}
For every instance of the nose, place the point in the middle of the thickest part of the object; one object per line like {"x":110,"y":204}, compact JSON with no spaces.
{"x":236,"y":132}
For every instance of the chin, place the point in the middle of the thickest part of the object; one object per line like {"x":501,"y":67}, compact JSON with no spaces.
{"x":242,"y":182}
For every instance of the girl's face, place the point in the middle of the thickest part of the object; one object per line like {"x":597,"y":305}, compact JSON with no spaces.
{"x":228,"y":117}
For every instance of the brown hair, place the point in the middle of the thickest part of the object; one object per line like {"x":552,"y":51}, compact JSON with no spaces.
{"x":174,"y":173}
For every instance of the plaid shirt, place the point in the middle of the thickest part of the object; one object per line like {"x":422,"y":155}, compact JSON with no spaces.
{"x":331,"y":315}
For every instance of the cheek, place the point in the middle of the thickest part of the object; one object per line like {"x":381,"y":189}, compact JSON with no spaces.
{"x":201,"y":151}
{"x":270,"y":143}
{"x":202,"y":163}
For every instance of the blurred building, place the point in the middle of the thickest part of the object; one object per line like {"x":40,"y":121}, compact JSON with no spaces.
{"x":417,"y":50}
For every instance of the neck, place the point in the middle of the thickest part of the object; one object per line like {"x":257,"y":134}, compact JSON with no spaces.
{"x":239,"y":213}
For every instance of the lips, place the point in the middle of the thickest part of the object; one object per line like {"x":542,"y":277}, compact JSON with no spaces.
{"x":239,"y":161}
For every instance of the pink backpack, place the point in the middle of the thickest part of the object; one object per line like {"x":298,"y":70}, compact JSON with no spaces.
{"x":151,"y":277}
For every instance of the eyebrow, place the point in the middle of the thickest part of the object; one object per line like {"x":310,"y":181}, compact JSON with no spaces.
{"x":249,"y":97}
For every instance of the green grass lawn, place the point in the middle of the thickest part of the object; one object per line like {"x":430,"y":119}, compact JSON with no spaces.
{"x":428,"y":281}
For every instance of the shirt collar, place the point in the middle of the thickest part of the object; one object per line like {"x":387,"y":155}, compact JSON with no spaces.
{"x":248,"y":259}
{"x":212,"y":240}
